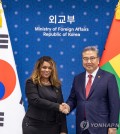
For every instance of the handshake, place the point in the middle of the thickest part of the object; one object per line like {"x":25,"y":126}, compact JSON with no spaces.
{"x":64,"y":108}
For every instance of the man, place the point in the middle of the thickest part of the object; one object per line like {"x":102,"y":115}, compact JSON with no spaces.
{"x":95,"y":96}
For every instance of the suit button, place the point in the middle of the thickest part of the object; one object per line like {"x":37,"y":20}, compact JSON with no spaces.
{"x":26,"y":124}
{"x":56,"y":91}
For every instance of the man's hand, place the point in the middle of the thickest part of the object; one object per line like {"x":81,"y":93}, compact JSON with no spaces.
{"x":112,"y":131}
{"x":64,"y":108}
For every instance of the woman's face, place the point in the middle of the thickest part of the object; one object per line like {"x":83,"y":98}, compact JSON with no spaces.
{"x":46,"y":70}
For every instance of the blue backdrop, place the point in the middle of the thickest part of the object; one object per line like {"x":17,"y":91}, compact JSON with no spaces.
{"x":32,"y":22}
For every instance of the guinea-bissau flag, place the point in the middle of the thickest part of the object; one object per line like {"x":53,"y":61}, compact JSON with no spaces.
{"x":110,"y":60}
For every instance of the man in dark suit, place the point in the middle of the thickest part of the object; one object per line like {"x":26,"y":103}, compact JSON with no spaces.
{"x":95,"y":96}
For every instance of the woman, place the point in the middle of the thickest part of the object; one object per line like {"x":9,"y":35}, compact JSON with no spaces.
{"x":43,"y":91}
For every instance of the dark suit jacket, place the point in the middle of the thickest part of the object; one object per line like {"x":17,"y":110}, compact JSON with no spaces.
{"x":43,"y":104}
{"x":100,"y":108}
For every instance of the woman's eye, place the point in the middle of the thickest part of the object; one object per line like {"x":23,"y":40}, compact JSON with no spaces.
{"x":47,"y":68}
{"x":44,"y":67}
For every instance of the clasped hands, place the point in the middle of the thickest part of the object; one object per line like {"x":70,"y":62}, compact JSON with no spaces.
{"x":64,"y":108}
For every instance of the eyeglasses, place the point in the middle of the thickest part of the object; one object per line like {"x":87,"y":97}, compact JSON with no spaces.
{"x":89,"y":58}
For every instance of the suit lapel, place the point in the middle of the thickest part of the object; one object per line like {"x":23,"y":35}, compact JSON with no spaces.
{"x":98,"y":77}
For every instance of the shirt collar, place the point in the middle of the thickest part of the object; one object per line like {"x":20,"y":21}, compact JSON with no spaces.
{"x":93,"y":74}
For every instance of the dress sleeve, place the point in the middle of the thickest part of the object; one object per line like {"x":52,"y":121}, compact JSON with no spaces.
{"x":63,"y":127}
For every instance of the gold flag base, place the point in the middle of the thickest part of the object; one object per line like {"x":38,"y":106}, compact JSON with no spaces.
{"x":0,"y":21}
{"x":0,"y":13}
{"x":117,"y":11}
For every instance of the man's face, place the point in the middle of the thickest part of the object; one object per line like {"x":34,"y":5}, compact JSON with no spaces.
{"x":90,"y":61}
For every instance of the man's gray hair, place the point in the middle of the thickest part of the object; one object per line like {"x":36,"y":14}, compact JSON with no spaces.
{"x":91,"y":48}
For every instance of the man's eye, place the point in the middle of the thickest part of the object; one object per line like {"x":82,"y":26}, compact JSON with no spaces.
{"x":85,"y":58}
{"x":92,"y":58}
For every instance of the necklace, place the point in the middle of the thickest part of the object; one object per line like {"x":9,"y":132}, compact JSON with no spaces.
{"x":46,"y":83}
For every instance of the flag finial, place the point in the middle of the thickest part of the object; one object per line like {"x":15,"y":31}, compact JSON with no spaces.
{"x":0,"y":13}
{"x":117,"y":11}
